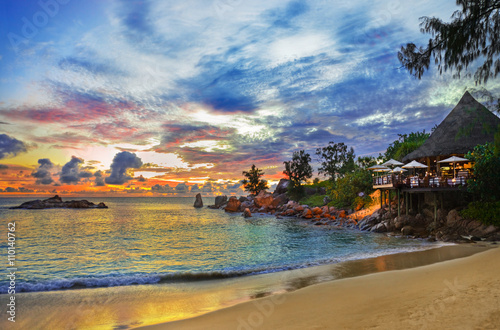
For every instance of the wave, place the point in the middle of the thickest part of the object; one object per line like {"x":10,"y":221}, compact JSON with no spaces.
{"x":111,"y":280}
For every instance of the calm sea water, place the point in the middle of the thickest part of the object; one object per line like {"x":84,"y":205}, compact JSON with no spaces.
{"x":153,"y":240}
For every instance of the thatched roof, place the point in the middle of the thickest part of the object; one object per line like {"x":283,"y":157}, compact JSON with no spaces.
{"x":470,"y":123}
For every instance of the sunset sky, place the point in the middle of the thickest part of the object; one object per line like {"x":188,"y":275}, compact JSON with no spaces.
{"x":178,"y":97}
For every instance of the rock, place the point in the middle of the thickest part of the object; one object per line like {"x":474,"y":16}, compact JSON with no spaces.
{"x":247,"y":204}
{"x":407,"y":230}
{"x":403,"y":220}
{"x":421,"y":220}
{"x":379,"y":228}
{"x":452,"y":218}
{"x":282,"y":187}
{"x":342,"y":214}
{"x":307,"y":214}
{"x":243,"y":199}
{"x":279,"y":200}
{"x":83,"y":204}
{"x":56,"y":202}
{"x":219,"y":200}
{"x":55,"y":199}
{"x":233,"y":205}
{"x":298,"y":208}
{"x":263,"y":199}
{"x":101,"y":205}
{"x":247,"y":213}
{"x":198,"y":202}
{"x":317,"y":211}
{"x":484,"y":231}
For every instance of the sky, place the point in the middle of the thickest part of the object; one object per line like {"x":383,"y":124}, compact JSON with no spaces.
{"x":171,"y":98}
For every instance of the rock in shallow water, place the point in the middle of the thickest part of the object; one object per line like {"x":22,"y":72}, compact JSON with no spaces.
{"x":56,"y":202}
{"x":198,"y":203}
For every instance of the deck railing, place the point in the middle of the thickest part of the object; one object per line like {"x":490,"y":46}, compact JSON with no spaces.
{"x":417,"y":182}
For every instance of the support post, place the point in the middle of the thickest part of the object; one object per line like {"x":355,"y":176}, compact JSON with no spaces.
{"x":389,"y":203}
{"x":381,"y":198}
{"x":399,"y":204}
{"x":406,"y":202}
{"x":435,"y":209}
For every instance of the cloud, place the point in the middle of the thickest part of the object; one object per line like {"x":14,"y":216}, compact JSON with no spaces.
{"x":121,"y":163}
{"x":165,"y":189}
{"x":20,"y":189}
{"x":99,"y":180}
{"x":141,"y":179}
{"x":71,"y":172}
{"x":182,"y":188}
{"x":10,"y":147}
{"x":43,"y":173}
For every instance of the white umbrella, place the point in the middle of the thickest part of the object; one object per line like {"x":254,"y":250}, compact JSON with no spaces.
{"x":382,"y":169}
{"x":377,"y":167}
{"x":414,"y":164}
{"x":453,"y":159}
{"x":398,"y":169}
{"x":392,"y":162}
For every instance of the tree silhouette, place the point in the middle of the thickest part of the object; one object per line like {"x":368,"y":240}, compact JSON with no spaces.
{"x":253,"y":183}
{"x":298,"y":169}
{"x":336,"y":160}
{"x":471,"y":35}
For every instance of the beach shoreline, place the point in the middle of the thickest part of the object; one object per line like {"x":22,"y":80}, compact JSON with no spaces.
{"x":459,"y":292}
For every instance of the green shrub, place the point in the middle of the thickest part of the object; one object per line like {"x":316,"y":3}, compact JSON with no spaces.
{"x":313,"y":201}
{"x":487,"y":213}
{"x":347,"y":190}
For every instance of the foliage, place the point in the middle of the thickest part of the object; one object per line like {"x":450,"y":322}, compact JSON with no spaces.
{"x":365,"y":162}
{"x":298,"y":170}
{"x":471,"y":35}
{"x":313,"y":201}
{"x":352,"y":190}
{"x":485,"y":184}
{"x":491,"y":102}
{"x":404,"y":145}
{"x":336,"y":160}
{"x":487,"y":213}
{"x":253,"y":183}
{"x":319,"y":184}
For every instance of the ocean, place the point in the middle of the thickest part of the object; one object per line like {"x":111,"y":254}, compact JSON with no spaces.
{"x":167,"y":242}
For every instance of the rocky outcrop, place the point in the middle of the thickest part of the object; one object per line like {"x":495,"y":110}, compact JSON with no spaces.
{"x":233,"y":205}
{"x":57,"y":202}
{"x":263,"y":199}
{"x":282,"y":187}
{"x":449,"y":227}
{"x":247,"y":213}
{"x":198,"y":203}
{"x":220,"y":200}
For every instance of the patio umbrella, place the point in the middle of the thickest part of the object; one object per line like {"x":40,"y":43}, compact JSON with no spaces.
{"x":392,"y":162}
{"x":377,"y":167}
{"x":414,"y":164}
{"x":453,"y":160}
{"x":398,"y":170}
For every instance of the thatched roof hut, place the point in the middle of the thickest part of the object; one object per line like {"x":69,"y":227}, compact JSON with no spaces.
{"x":470,"y":123}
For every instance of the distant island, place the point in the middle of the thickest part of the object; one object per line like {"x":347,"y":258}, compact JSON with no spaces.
{"x":56,"y":202}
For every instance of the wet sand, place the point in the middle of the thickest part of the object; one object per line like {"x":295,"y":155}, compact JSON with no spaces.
{"x":462,"y":293}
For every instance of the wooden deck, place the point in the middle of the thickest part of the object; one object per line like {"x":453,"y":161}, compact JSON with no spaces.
{"x":421,"y":184}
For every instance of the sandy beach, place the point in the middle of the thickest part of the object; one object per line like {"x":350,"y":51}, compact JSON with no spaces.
{"x":456,"y":294}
